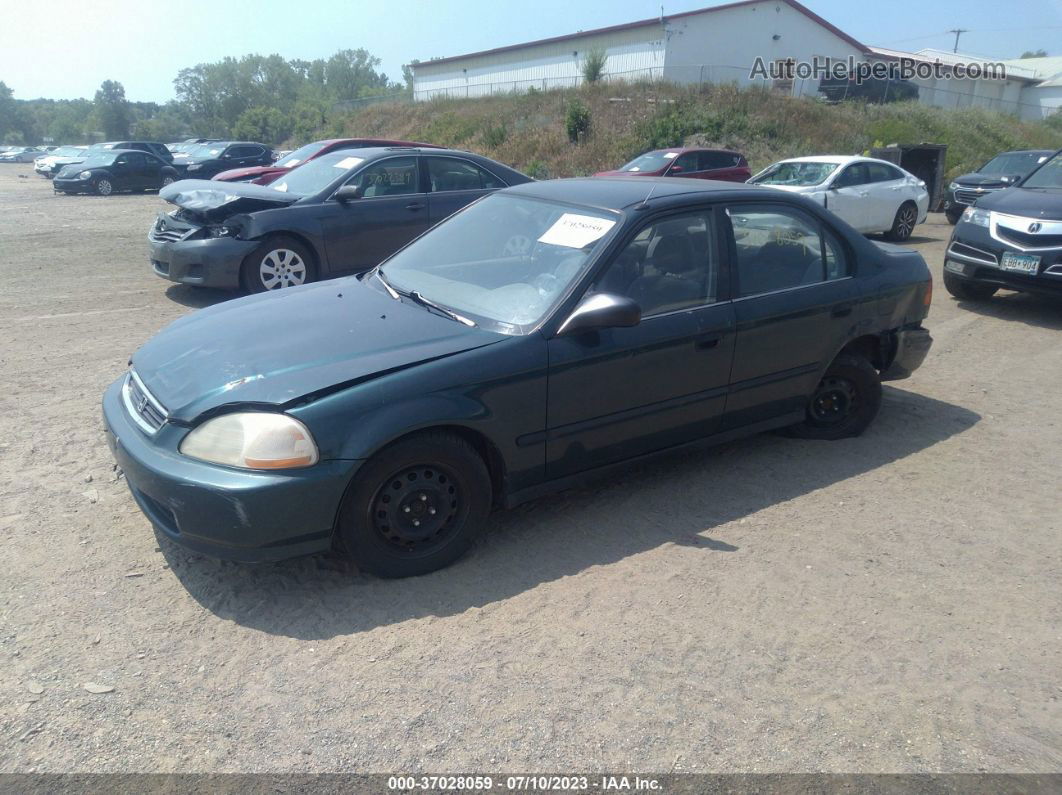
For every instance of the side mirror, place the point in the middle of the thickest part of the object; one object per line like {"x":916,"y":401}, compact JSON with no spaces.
{"x":602,"y":310}
{"x":348,"y":193}
{"x":676,"y":170}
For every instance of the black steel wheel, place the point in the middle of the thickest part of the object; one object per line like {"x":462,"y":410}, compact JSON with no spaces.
{"x":844,"y":403}
{"x":416,"y":506}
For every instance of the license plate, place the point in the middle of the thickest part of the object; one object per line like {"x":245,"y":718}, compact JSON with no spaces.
{"x":1022,"y":263}
{"x":952,"y":265}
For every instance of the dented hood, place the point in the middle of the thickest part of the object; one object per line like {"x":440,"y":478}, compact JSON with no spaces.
{"x":277,"y":347}
{"x":219,"y":200}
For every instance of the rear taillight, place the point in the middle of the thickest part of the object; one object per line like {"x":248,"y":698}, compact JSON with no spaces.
{"x":927,"y":296}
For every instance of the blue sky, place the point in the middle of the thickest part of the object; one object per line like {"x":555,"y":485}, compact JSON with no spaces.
{"x":143,"y":43}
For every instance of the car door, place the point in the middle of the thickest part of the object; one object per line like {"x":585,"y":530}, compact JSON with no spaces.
{"x":794,"y":302}
{"x":723,"y":166}
{"x":391,"y":211}
{"x":123,"y":173}
{"x":140,"y":171}
{"x":888,"y":189}
{"x":848,"y":193}
{"x":620,"y":392}
{"x":454,"y":182}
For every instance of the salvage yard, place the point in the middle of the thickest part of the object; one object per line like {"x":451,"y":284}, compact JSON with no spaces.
{"x":887,"y":603}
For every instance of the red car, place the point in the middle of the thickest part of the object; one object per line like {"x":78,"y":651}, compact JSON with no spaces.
{"x":263,"y":175}
{"x":686,"y":162}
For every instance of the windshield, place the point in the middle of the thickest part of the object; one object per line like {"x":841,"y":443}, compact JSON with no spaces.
{"x":68,"y":151}
{"x":797,"y":174}
{"x":505,"y":260}
{"x":1013,"y":163}
{"x":204,"y":151}
{"x":1049,"y":175}
{"x":650,"y":161}
{"x":99,"y":159}
{"x":299,"y":155}
{"x":318,"y":174}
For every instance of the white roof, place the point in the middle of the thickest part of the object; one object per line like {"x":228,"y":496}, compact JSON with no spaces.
{"x":840,"y":160}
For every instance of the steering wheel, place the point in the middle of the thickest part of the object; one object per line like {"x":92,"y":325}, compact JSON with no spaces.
{"x":517,"y":246}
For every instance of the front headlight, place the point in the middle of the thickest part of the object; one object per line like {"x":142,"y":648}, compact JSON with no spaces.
{"x":972,"y":215}
{"x":222,"y":231}
{"x":252,"y":440}
{"x":85,"y":175}
{"x":194,"y":167}
{"x":953,"y":186}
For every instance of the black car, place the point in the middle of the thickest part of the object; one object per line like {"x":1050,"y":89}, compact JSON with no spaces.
{"x":203,"y":161}
{"x":1010,"y":239}
{"x":154,"y":147}
{"x":342,"y":212}
{"x":1002,"y":171}
{"x":105,"y":171}
{"x":541,"y":334}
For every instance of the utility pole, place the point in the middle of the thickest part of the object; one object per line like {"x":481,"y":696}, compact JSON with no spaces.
{"x":958,"y":32}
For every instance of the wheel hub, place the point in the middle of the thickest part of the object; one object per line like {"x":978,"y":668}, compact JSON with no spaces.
{"x":416,"y":507}
{"x":834,"y":401}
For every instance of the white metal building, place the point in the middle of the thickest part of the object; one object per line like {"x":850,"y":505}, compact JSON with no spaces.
{"x":721,"y":44}
{"x":718,"y":44}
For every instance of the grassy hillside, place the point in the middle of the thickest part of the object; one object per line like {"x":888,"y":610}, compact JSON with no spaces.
{"x":529,"y":131}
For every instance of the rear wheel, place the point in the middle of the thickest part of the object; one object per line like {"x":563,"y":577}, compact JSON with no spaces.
{"x":844,"y":403}
{"x":966,"y":290}
{"x":278,"y":263}
{"x":167,"y":180}
{"x":104,"y":187}
{"x":903,"y":223}
{"x":416,"y":506}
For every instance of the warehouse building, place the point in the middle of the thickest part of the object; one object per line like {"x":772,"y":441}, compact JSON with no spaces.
{"x":729,"y":43}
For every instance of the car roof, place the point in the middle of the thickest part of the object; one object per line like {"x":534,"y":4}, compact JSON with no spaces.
{"x":1028,"y":152}
{"x":618,"y":193}
{"x":684,"y":149}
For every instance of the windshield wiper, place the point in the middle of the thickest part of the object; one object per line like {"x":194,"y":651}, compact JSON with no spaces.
{"x":387,"y":285}
{"x":420,"y":299}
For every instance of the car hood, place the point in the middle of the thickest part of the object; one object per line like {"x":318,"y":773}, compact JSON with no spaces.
{"x":627,"y":174}
{"x":247,"y":173}
{"x":1028,"y":202}
{"x":977,"y":180}
{"x":215,"y":201}
{"x":794,"y":188}
{"x":275,"y":348}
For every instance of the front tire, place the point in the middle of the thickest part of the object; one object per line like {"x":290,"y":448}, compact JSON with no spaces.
{"x":966,"y":290}
{"x":104,"y":187}
{"x":416,"y":506}
{"x":167,"y":180}
{"x":903,"y":223}
{"x":844,"y":403}
{"x":278,"y":263}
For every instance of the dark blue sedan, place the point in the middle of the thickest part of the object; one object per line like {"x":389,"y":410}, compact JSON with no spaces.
{"x":540,"y":335}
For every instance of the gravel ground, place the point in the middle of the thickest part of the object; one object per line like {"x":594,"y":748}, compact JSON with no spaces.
{"x":883,"y":604}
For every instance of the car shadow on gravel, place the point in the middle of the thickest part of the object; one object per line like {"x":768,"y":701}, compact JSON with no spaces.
{"x":1042,"y":311}
{"x":198,"y":297}
{"x":684,"y":498}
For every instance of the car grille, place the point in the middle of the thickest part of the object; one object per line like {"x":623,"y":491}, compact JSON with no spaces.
{"x":1026,"y":239}
{"x":968,"y":196}
{"x":142,"y":406}
{"x":164,"y":232}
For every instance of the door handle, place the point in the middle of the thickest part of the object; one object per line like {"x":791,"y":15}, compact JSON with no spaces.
{"x":707,"y":342}
{"x":414,"y":206}
{"x":841,"y":310}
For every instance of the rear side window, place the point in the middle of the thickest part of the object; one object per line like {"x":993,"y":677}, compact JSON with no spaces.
{"x":711,"y":160}
{"x":778,"y":247}
{"x":882,"y":172}
{"x":451,"y":174}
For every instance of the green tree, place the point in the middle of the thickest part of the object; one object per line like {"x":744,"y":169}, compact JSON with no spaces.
{"x":268,"y":125}
{"x":111,"y":110}
{"x":594,"y":65}
{"x":7,"y":110}
{"x":1034,"y":54}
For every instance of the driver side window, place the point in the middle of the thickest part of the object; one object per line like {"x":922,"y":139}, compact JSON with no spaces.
{"x":395,"y":176}
{"x":670,"y":265}
{"x":852,"y":176}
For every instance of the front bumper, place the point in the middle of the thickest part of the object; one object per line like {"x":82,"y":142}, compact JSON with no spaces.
{"x":72,"y":185}
{"x":974,"y":254}
{"x":221,"y":511}
{"x":912,"y":347}
{"x":205,"y":262}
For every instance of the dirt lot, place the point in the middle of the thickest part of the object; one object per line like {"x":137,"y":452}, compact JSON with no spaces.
{"x":886,"y":603}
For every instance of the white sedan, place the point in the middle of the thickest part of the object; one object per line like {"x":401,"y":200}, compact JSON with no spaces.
{"x":872,"y":195}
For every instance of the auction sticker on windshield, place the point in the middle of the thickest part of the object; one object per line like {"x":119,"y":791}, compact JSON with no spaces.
{"x":348,"y":162}
{"x":576,"y":231}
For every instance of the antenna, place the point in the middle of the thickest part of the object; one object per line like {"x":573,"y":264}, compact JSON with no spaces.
{"x":645,"y":202}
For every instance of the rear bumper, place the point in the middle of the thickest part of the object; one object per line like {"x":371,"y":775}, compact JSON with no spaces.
{"x":220,"y":511}
{"x":210,"y":262}
{"x":912,"y":347}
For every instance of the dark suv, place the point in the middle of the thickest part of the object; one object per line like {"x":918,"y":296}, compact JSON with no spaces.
{"x":206,"y":160}
{"x":1000,"y":172}
{"x":154,"y":147}
{"x":1011,"y":239}
{"x":721,"y":164}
